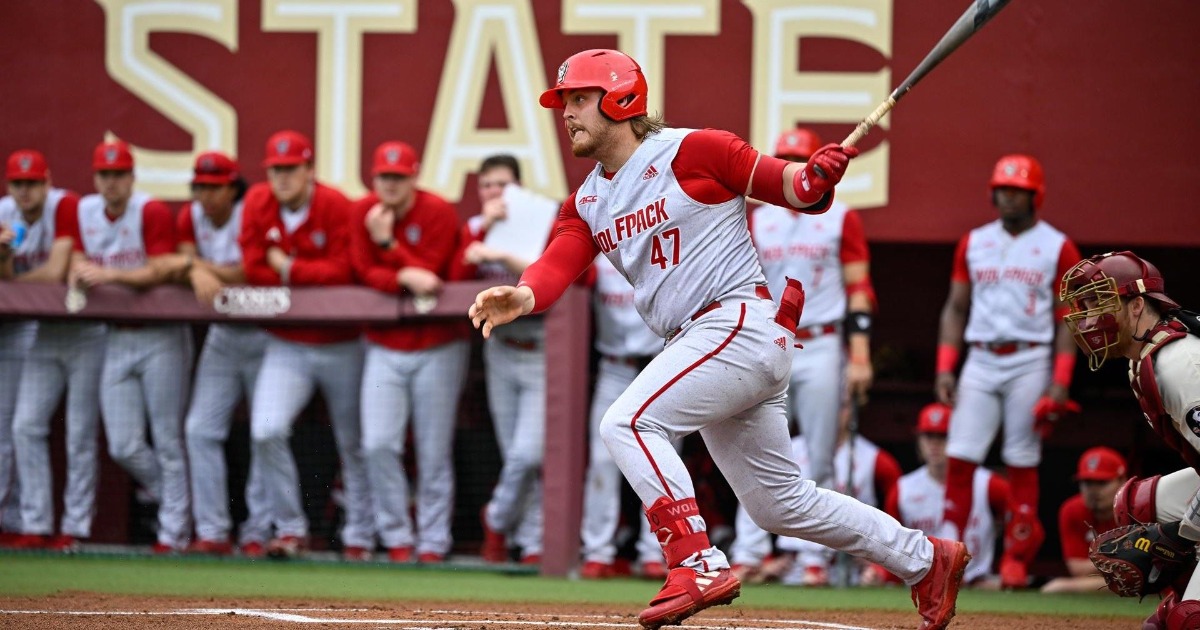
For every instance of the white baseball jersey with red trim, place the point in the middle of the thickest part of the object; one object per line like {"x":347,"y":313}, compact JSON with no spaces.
{"x":218,"y":245}
{"x":921,"y":501}
{"x":686,"y":253}
{"x":118,"y":244}
{"x":34,"y":249}
{"x":807,"y":247}
{"x":1014,"y":281}
{"x":620,"y":329}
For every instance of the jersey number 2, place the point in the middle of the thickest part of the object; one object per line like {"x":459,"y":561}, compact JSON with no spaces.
{"x":658,"y":254}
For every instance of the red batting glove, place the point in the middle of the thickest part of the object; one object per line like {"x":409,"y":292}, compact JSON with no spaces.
{"x":1047,"y":412}
{"x":824,"y":170}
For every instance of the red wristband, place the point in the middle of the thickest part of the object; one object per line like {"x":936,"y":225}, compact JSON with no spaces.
{"x":1064,"y":368}
{"x":947,"y":358}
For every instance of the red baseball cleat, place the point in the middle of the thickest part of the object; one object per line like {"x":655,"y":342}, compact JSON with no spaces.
{"x":211,"y":547}
{"x":532,"y":559}
{"x":253,"y":549}
{"x":1013,"y":573}
{"x":354,"y":553}
{"x":163,"y":549}
{"x":287,"y":547}
{"x":594,"y":570}
{"x":654,"y":570}
{"x":686,"y":593}
{"x":27,"y":541}
{"x":429,"y":557}
{"x":495,"y":547}
{"x":400,"y":554}
{"x":936,"y":593}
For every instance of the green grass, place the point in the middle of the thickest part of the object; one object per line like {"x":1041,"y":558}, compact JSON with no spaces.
{"x":34,"y":575}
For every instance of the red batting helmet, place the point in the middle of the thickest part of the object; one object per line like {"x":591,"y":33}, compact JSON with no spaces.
{"x":797,"y":143}
{"x":1093,"y":289}
{"x":612,"y":71}
{"x":1020,"y":171}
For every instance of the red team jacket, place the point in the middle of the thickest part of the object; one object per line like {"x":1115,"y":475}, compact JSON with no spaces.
{"x":1077,"y":526}
{"x":426,"y":237}
{"x":319,"y":248}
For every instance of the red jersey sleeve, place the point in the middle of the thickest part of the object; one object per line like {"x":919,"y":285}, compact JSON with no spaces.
{"x":714,"y":166}
{"x":961,"y":273}
{"x":185,"y":232}
{"x":1073,"y":529}
{"x":253,"y":237}
{"x":158,"y":228}
{"x":570,"y":252}
{"x":854,"y":240}
{"x":66,"y":221}
{"x":887,"y":473}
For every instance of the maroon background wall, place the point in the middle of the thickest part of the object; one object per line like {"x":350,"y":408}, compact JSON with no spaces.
{"x":1101,"y":91}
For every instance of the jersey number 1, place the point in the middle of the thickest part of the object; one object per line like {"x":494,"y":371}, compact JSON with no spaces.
{"x":658,"y":253}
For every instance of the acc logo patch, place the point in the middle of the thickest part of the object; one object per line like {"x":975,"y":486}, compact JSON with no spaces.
{"x":1192,"y":419}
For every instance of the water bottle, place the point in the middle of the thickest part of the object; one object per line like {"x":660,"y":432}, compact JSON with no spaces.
{"x":20,"y":230}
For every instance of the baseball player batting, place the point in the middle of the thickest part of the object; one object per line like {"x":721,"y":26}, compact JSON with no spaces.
{"x":667,"y":208}
{"x":1003,"y":305}
{"x":32,"y":251}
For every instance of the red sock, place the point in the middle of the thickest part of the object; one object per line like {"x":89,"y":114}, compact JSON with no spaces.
{"x":680,"y":529}
{"x":1024,"y":482}
{"x":960,"y":492}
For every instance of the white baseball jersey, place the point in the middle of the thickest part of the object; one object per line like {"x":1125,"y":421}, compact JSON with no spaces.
{"x":921,"y":501}
{"x":686,"y":253}
{"x":35,"y":248}
{"x":218,"y":245}
{"x":620,"y":329}
{"x":807,"y":247}
{"x":118,"y":244}
{"x":1014,"y":281}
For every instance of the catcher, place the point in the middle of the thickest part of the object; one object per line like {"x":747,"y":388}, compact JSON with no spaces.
{"x":1118,"y":308}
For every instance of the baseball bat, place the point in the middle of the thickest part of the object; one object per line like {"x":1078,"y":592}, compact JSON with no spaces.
{"x":967,"y":25}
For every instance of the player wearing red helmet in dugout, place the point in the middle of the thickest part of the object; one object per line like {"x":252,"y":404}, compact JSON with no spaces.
{"x":1119,"y":308}
{"x":1003,"y":305}
{"x":667,"y":207}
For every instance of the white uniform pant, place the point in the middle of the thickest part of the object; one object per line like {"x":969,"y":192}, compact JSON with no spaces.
{"x":16,"y":337}
{"x":999,"y":389}
{"x":227,"y":371}
{"x":66,"y":356}
{"x":1171,"y":499}
{"x":423,"y":385}
{"x":602,"y":491}
{"x":145,"y":377}
{"x":289,"y":376}
{"x":516,"y":384}
{"x":726,"y":376}
{"x":814,"y":397}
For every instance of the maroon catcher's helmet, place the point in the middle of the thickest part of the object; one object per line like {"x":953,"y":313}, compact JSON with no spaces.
{"x":1020,"y":171}
{"x":610,"y":70}
{"x":1093,"y":289}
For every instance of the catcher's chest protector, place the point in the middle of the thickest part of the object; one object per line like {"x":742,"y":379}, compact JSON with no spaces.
{"x":1145,"y":388}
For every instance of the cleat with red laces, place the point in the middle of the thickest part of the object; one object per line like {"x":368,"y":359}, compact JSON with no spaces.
{"x":595,"y":570}
{"x":495,"y":547}
{"x":253,"y":549}
{"x":688,"y":592}
{"x":400,"y":554}
{"x":936,"y":594}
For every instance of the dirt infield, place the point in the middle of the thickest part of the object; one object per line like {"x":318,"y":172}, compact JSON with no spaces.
{"x":87,"y":611}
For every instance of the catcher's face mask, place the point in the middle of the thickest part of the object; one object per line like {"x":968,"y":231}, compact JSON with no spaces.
{"x":1094,"y":301}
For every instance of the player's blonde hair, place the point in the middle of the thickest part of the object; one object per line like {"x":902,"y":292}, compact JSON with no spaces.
{"x":646,"y":125}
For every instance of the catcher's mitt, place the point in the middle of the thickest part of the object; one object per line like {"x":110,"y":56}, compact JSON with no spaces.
{"x":1141,"y":559}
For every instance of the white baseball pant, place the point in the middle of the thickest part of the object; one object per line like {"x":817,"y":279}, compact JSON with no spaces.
{"x":997,"y":388}
{"x":16,"y":337}
{"x":423,"y":385}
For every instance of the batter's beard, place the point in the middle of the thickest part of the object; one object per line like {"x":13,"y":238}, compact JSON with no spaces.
{"x":588,"y":148}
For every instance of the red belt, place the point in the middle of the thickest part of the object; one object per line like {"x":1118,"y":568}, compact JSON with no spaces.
{"x":1004,"y":347}
{"x":519,"y":344}
{"x":816,"y":330}
{"x":760,"y":290}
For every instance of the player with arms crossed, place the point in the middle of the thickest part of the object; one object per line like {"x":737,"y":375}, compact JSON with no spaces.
{"x":1005,"y":277}
{"x":667,"y":207}
{"x":1119,"y":308}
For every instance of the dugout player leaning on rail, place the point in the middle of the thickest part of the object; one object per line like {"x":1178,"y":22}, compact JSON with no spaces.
{"x":1003,"y":305}
{"x":1119,"y":309}
{"x":402,"y":240}
{"x":296,"y":232}
{"x":667,"y":207}
{"x":1100,"y":474}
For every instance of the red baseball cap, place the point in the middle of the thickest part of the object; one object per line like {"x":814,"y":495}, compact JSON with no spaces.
{"x":113,"y":155}
{"x":396,"y":158}
{"x":214,"y":167}
{"x":26,"y":165}
{"x":288,"y":148}
{"x":934,"y":418}
{"x":1100,"y":464}
{"x":797,"y":143}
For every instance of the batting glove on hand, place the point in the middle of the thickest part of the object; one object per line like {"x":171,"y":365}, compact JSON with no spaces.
{"x":826,"y":167}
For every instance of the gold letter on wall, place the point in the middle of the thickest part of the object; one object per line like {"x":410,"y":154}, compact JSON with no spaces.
{"x":783,"y":96}
{"x":340,"y":25}
{"x":211,"y":122}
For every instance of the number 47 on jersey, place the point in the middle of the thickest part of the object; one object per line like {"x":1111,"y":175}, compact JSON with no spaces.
{"x":666,"y":242}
